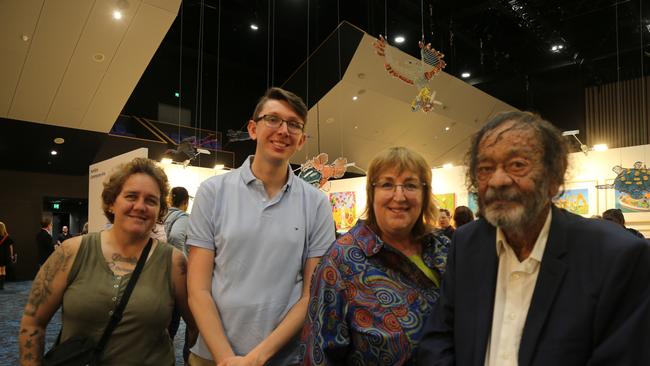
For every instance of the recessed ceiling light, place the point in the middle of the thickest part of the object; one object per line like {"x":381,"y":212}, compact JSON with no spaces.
{"x":400,"y":39}
{"x":59,"y":140}
{"x":99,"y":57}
{"x":24,"y":37}
{"x":356,"y":127}
{"x":117,"y":15}
{"x":465,"y":75}
{"x":447,"y":128}
{"x":53,"y":152}
{"x":355,"y":97}
{"x":254,"y":27}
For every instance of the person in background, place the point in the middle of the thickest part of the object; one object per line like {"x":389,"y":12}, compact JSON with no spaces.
{"x":463,"y":215}
{"x":377,"y":284}
{"x":44,"y":240}
{"x":444,"y":222}
{"x":177,"y":218}
{"x":63,"y":236}
{"x":7,"y":254}
{"x":256,"y":235}
{"x":529,"y":283}
{"x":88,"y":274}
{"x":616,"y":215}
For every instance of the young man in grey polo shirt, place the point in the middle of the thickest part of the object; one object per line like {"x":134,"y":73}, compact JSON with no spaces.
{"x":256,"y":235}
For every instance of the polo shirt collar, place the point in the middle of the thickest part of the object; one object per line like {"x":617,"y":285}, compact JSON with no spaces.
{"x":247,"y":175}
{"x":540,"y":243}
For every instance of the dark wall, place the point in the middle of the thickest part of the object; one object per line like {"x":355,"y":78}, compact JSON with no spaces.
{"x":21,"y":209}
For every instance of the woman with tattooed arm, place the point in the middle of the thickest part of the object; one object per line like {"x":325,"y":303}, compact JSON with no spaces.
{"x":88,"y":274}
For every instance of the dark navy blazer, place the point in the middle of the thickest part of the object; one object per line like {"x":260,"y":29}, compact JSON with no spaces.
{"x":591,"y":304}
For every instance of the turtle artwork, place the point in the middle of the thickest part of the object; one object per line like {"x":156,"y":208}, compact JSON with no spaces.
{"x":317,"y":172}
{"x":632,"y":186}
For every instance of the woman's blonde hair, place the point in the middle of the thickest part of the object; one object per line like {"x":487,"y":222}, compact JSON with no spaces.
{"x":402,"y":159}
{"x":3,"y":229}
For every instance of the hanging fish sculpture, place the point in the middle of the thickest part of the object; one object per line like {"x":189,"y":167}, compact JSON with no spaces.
{"x":417,"y":74}
{"x":317,"y":172}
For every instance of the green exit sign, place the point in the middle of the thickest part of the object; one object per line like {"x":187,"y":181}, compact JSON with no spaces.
{"x":55,"y":206}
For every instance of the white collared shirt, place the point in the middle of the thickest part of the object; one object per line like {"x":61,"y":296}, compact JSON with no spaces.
{"x":513,"y":293}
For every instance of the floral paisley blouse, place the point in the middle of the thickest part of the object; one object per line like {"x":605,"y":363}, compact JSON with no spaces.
{"x":369,"y":302}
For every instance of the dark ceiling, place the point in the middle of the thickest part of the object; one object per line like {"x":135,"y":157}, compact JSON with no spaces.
{"x":220,"y":66}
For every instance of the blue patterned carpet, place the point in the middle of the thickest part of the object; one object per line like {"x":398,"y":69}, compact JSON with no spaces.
{"x":12,"y":302}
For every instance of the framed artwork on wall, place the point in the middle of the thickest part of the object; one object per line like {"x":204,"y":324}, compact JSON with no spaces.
{"x":579,"y":197}
{"x":344,"y":207}
{"x":446,"y":200}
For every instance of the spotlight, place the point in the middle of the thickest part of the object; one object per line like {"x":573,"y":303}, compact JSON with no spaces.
{"x":465,"y":75}
{"x":447,"y":128}
{"x":53,"y":152}
{"x":117,"y":15}
{"x":400,"y":39}
{"x":254,"y":27}
{"x":556,"y":48}
{"x":177,"y":95}
{"x":355,"y":97}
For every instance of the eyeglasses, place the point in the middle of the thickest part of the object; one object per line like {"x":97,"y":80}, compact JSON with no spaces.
{"x":407,"y":188}
{"x":294,"y":127}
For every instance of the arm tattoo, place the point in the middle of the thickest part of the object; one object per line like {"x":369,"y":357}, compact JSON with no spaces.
{"x":182,"y":266}
{"x":31,"y":346}
{"x":42,"y":286}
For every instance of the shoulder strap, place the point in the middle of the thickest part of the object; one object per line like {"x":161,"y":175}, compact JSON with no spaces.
{"x":117,"y":314}
{"x":3,"y":239}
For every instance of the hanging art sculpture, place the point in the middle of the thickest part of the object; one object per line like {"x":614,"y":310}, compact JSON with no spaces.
{"x":317,"y":172}
{"x":632,"y":186}
{"x":417,"y":74}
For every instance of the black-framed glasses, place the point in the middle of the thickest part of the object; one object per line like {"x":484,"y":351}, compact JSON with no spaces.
{"x":294,"y":127}
{"x":390,"y":187}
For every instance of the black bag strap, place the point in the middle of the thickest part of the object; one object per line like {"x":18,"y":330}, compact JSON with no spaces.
{"x":117,"y":314}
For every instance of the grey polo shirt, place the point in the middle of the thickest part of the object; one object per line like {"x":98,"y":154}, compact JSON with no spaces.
{"x":261,"y":245}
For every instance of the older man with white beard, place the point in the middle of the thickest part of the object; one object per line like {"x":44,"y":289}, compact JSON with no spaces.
{"x":528,"y":283}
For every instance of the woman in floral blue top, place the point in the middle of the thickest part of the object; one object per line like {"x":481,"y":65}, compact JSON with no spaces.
{"x":377,"y":284}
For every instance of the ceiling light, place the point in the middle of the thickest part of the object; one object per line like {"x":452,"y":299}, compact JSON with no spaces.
{"x":647,"y":26}
{"x":400,"y":39}
{"x":448,"y":165}
{"x":59,"y":140}
{"x":219,"y":167}
{"x":557,"y":48}
{"x":53,"y":152}
{"x":447,"y":128}
{"x":254,"y":27}
{"x":600,"y":147}
{"x":166,"y":160}
{"x":177,"y":95}
{"x":465,"y":75}
{"x":355,"y":97}
{"x":117,"y":15}
{"x":24,"y":37}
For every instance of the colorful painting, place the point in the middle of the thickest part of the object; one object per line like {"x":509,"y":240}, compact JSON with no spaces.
{"x":472,"y":202}
{"x":344,"y":208}
{"x":627,"y":203}
{"x":631,"y":188}
{"x":574,"y":200}
{"x":446,"y":200}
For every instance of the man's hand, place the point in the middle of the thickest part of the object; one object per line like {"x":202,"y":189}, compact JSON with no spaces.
{"x":248,"y":360}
